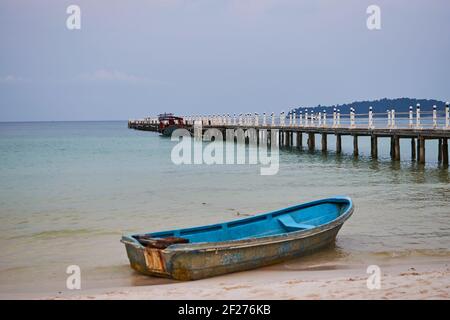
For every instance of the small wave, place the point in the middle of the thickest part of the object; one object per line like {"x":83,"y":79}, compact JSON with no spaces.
{"x":63,"y":233}
{"x":414,"y":253}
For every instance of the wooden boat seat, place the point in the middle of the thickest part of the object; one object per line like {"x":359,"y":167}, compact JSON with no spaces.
{"x":291,"y":225}
{"x":159,"y":243}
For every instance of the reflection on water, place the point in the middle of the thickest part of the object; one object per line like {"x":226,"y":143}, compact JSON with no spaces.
{"x":69,"y":190}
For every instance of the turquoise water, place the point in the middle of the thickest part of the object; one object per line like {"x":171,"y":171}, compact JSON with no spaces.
{"x":68,"y":190}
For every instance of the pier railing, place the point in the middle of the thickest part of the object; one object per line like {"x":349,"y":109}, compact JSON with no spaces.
{"x":415,"y":124}
{"x":413,"y":119}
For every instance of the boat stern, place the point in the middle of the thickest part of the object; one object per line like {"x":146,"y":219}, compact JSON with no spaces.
{"x":150,"y":261}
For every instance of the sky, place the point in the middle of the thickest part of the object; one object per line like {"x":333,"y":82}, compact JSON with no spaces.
{"x":132,"y":59}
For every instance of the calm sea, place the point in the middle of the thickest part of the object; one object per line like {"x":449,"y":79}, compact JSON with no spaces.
{"x":68,"y":190}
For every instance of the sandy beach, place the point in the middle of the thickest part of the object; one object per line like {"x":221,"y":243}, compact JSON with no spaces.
{"x":425,"y":278}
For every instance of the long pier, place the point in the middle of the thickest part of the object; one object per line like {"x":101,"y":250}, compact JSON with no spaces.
{"x":414,"y":125}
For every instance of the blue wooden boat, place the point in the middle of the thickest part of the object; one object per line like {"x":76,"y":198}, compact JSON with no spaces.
{"x":200,"y":252}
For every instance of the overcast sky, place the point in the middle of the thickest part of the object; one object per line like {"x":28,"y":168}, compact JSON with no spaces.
{"x":136,"y":58}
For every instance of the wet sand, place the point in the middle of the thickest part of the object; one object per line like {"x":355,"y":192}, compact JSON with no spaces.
{"x":425,"y":278}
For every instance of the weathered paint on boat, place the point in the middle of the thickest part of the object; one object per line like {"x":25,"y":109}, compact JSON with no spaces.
{"x":242,"y":244}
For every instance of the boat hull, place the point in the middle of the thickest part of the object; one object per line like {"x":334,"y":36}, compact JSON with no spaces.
{"x":194,"y":265}
{"x":202,"y":260}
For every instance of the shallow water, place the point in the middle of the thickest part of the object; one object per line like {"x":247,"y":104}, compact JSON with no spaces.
{"x":68,"y":190}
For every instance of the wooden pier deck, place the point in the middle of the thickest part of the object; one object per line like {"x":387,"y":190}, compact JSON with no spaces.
{"x":413,"y":125}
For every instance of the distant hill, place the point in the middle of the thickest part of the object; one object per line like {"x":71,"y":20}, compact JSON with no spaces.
{"x":399,"y":104}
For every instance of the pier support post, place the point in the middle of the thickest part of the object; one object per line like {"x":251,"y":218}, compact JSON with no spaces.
{"x":439,"y":150}
{"x":299,"y":140}
{"x":324,"y":142}
{"x":355,"y":145}
{"x":418,"y":148}
{"x":396,"y":148}
{"x":338,"y":143}
{"x":413,"y":149}
{"x":421,"y":147}
{"x":391,"y":152}
{"x":311,"y":141}
{"x":445,"y":152}
{"x":374,"y":146}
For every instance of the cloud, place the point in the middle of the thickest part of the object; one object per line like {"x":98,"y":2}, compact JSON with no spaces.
{"x":110,"y":75}
{"x":10,"y":79}
{"x":115,"y":76}
{"x":251,"y":8}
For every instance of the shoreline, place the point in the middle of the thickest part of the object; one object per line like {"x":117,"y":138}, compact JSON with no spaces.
{"x":426,"y":278}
